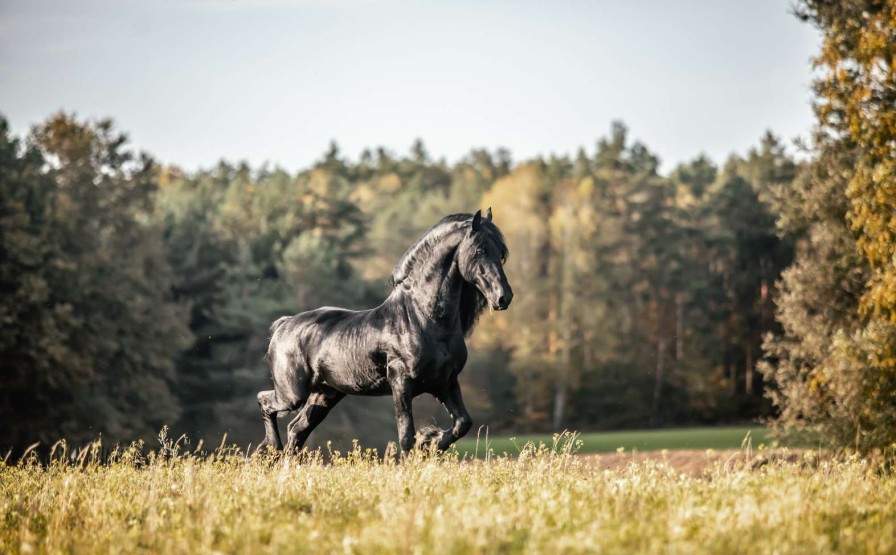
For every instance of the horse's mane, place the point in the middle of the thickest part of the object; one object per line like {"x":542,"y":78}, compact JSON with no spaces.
{"x":472,"y":305}
{"x":472,"y":302}
{"x":424,"y":246}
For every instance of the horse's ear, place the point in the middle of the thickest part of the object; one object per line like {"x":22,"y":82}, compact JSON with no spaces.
{"x":488,"y":214}
{"x":477,"y":221}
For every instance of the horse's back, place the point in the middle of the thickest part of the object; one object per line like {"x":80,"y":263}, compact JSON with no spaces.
{"x":298,"y":330}
{"x":330,"y":346}
{"x":308,"y":332}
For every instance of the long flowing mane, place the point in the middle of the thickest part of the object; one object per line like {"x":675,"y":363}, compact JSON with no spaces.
{"x":425,"y":245}
{"x":472,"y":302}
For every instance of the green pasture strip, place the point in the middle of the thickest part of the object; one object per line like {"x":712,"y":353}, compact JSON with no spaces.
{"x":640,"y":440}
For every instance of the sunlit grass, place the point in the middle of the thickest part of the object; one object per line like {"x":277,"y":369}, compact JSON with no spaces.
{"x":546,"y":500}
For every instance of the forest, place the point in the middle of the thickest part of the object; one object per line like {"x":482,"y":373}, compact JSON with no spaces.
{"x":642,"y":299}
{"x":135,"y":295}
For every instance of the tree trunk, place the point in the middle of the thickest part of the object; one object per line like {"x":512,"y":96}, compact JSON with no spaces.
{"x":679,"y":326}
{"x":559,"y":407}
{"x":748,"y":371}
{"x":732,"y":377}
{"x":658,"y":384}
{"x":565,"y":323}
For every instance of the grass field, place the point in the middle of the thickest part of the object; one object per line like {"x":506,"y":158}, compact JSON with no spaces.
{"x":541,"y":501}
{"x":634,"y":440}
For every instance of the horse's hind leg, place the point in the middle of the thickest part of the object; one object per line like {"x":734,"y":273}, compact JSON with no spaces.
{"x":313,"y":413}
{"x":273,"y":403}
{"x":291,"y":389}
{"x":267,"y":400}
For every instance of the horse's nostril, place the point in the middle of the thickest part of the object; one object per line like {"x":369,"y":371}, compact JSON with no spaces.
{"x":502,"y":302}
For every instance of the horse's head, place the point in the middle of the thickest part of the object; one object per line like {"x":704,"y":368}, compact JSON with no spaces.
{"x":480,"y":259}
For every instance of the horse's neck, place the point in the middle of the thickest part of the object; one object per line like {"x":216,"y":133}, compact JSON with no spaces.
{"x":434,"y":288}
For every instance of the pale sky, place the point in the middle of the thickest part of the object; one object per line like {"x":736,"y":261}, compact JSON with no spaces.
{"x":195,"y":81}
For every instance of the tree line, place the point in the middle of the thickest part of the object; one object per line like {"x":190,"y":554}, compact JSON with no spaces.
{"x":134,"y":294}
{"x":139,"y":295}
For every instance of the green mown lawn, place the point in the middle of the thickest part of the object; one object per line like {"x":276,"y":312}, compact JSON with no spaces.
{"x":640,"y":440}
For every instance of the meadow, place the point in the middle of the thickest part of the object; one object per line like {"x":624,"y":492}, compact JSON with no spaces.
{"x":547,"y":499}
{"x":732,"y":437}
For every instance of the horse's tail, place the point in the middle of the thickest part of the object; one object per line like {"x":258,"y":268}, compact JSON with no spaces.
{"x":275,"y":327}
{"x":277,"y":323}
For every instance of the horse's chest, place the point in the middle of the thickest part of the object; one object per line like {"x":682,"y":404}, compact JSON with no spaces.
{"x":435,"y":360}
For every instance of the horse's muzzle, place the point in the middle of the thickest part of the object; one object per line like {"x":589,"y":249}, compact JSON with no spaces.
{"x":504,"y":301}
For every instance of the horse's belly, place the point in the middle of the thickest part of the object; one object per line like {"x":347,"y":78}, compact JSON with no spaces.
{"x":354,"y":377}
{"x":429,"y":366}
{"x":372,"y":386}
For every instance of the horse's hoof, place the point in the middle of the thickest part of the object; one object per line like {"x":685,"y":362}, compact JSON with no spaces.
{"x":429,"y":437}
{"x":266,"y":449}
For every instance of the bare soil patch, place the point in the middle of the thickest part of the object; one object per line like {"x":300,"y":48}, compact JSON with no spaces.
{"x":699,"y":461}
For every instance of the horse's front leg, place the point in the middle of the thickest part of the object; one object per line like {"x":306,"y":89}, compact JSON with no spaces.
{"x":402,"y":396}
{"x":453,"y":401}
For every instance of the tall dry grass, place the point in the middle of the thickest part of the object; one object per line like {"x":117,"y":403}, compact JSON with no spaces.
{"x":548,"y":500}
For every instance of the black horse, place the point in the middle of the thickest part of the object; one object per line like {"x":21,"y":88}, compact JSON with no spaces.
{"x":411,"y":344}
